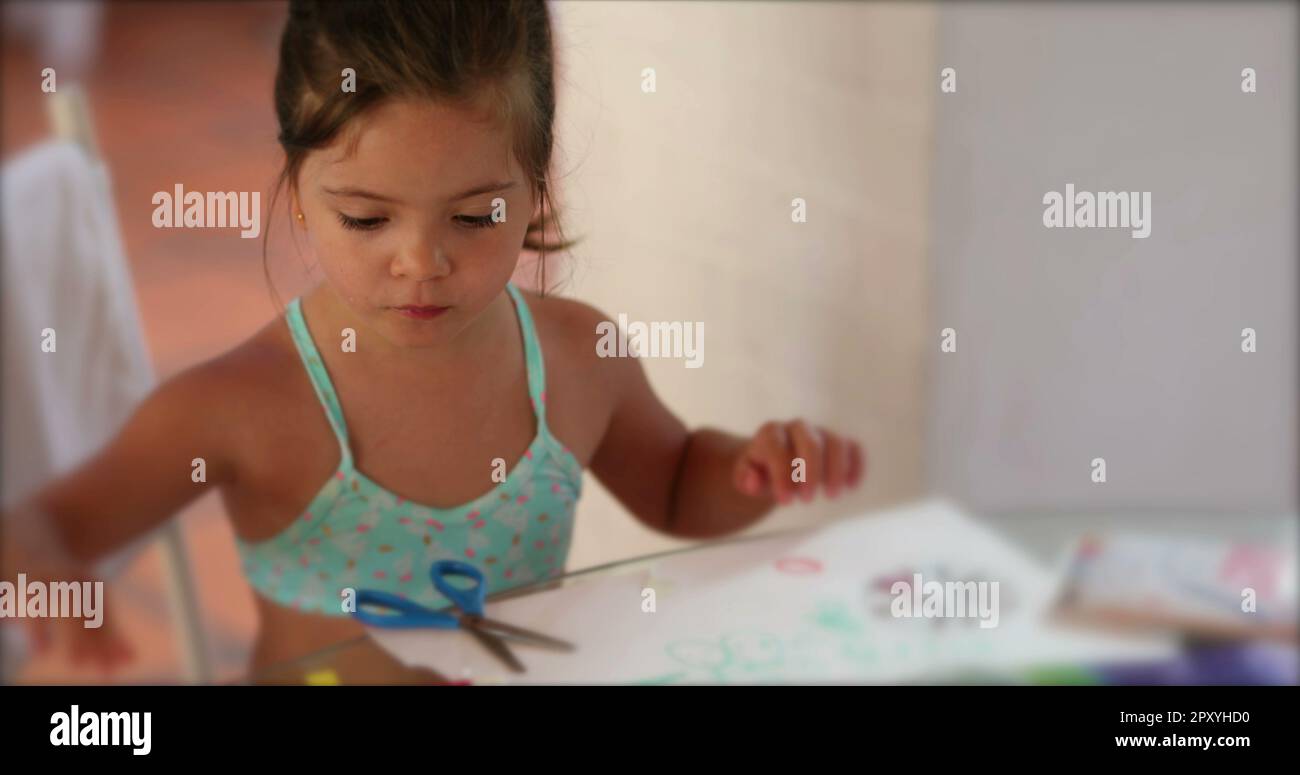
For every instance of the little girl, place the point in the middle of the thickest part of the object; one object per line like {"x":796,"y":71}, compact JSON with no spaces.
{"x":416,"y":405}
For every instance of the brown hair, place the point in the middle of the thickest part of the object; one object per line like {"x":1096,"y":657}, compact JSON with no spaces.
{"x":446,"y":50}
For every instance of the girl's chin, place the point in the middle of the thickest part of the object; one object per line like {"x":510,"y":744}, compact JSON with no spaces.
{"x":414,"y":332}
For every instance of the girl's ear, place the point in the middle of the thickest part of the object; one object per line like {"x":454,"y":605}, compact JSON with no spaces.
{"x":296,"y":206}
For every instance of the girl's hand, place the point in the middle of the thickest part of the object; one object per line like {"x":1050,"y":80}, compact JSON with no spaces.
{"x":770,"y":464}
{"x":31,"y":550}
{"x":102,"y":648}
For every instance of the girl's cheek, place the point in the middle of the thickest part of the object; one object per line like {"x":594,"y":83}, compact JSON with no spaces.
{"x":345,"y":271}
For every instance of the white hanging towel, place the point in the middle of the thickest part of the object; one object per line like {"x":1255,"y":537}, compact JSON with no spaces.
{"x":64,"y":269}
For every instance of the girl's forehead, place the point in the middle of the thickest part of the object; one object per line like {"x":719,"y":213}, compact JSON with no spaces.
{"x":420,"y":140}
{"x":422,"y":128}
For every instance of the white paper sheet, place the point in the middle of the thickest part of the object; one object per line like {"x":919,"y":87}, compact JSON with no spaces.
{"x":812,"y":607}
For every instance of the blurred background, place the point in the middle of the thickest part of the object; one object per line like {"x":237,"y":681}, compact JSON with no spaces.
{"x":924,"y":212}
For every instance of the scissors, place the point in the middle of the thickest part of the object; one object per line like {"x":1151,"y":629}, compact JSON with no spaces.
{"x":469,"y":600}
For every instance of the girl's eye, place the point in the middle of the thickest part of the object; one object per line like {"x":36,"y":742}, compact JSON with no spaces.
{"x":370,"y":224}
{"x":361,"y":224}
{"x":477,"y":222}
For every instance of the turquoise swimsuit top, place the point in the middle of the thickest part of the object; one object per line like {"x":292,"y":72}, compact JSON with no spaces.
{"x":355,"y":534}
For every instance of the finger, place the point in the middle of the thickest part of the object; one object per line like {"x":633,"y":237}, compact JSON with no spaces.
{"x":114,"y":657}
{"x":773,"y":448}
{"x":39,"y":631}
{"x":98,"y":656}
{"x":755,"y":479}
{"x":117,"y":647}
{"x":123,"y":652}
{"x":857,"y":463}
{"x":96,"y":650}
{"x":109,"y":647}
{"x":749,"y":477}
{"x":837,"y":463}
{"x":78,"y":652}
{"x":807,"y":445}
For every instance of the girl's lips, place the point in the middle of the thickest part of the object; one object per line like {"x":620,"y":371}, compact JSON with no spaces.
{"x":421,"y":313}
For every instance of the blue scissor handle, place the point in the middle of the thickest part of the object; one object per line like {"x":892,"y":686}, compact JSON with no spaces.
{"x":470,"y":599}
{"x":408,"y":614}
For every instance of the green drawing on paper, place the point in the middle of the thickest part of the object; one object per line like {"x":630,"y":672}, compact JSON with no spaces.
{"x":837,"y":617}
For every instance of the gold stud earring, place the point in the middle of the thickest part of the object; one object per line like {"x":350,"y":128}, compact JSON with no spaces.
{"x":300,"y":216}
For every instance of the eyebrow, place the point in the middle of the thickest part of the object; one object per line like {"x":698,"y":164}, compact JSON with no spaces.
{"x":363,"y":194}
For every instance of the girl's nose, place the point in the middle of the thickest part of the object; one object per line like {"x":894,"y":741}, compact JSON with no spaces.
{"x":421,"y":261}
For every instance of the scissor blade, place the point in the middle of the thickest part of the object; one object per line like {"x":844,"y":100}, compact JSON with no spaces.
{"x":526,"y":636}
{"x":495,"y":646}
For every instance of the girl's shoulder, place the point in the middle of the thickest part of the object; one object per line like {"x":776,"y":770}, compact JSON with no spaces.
{"x":216,"y":409}
{"x":256,"y":365}
{"x":569,"y":331}
{"x":568,"y":328}
{"x":249,"y":388}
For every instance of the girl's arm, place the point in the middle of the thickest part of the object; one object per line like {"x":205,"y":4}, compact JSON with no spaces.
{"x":136,"y":482}
{"x":706,"y":483}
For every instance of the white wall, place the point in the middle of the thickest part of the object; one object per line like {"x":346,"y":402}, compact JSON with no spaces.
{"x":684,"y":198}
{"x":1083,"y":343}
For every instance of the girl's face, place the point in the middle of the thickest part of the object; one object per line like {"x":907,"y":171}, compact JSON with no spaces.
{"x":406,"y":221}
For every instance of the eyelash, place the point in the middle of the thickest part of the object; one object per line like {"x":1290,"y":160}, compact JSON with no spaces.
{"x":370,"y":224}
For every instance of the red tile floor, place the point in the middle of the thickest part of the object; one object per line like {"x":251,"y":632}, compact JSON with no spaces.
{"x":180,"y":93}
